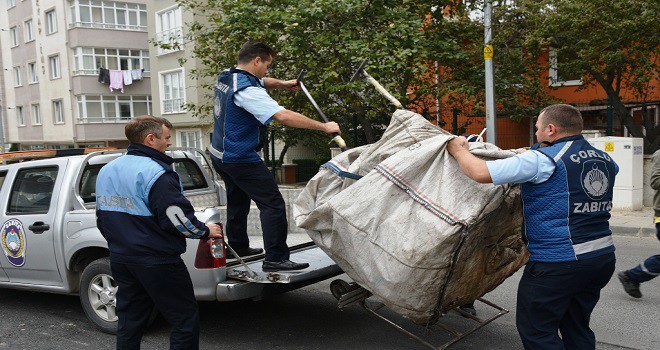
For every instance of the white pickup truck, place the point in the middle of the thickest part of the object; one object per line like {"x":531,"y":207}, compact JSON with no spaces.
{"x":50,"y":242}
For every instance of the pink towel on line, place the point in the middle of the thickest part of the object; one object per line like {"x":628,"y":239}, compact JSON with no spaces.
{"x":116,"y":80}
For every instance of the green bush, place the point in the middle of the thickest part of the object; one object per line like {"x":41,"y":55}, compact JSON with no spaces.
{"x":306,"y":168}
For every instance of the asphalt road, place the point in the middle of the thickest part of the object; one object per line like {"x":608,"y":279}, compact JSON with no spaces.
{"x":309,"y":319}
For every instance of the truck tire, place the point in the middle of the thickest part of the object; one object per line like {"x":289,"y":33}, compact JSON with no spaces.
{"x":97,"y":295}
{"x":98,"y":292}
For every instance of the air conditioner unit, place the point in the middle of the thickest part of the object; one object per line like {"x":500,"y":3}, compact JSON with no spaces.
{"x":628,"y":153}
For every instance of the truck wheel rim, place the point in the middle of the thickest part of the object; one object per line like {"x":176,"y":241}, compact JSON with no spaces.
{"x":102,"y":294}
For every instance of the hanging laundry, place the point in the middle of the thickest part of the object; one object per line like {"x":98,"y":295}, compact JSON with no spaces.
{"x":116,"y":80}
{"x":136,"y":74}
{"x":128,"y":78}
{"x":104,"y":76}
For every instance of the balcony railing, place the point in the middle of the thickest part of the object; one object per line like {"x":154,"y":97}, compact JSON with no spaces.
{"x":95,"y":72}
{"x":95,"y":25}
{"x":103,"y":120}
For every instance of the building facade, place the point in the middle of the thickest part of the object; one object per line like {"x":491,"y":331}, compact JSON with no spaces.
{"x":173,"y":86}
{"x":53,"y":53}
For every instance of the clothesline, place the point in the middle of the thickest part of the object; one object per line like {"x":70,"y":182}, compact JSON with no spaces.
{"x":117,"y":79}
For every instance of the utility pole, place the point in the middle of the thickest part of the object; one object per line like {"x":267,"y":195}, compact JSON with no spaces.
{"x":491,"y":124}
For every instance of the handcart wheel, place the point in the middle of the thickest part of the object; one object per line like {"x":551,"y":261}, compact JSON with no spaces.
{"x":339,"y":288}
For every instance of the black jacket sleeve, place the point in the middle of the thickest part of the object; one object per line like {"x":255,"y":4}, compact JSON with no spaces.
{"x":173,"y":210}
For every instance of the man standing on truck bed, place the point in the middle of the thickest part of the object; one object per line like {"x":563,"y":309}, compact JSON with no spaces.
{"x":242,"y":109}
{"x":567,"y":188}
{"x":142,"y":213}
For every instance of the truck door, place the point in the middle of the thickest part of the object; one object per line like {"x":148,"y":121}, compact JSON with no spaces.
{"x":3,"y":274}
{"x":28,"y":231}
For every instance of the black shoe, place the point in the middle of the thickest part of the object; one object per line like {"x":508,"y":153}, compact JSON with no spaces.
{"x":631,"y":287}
{"x":469,"y":308}
{"x":244,"y":252}
{"x":286,"y":265}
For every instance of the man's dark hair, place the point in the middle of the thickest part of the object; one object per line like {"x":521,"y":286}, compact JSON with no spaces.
{"x":137,"y":129}
{"x":566,"y":117}
{"x":253,"y":49}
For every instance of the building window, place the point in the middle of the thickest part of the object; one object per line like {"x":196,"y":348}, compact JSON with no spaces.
{"x":555,"y":76}
{"x":58,"y":116}
{"x":29,"y":30}
{"x":32,"y":72}
{"x":170,"y":30}
{"x":17,"y":77}
{"x":55,"y":67}
{"x":190,"y":138}
{"x":172,"y":92}
{"x":13,"y":33}
{"x":88,"y":60}
{"x":11,"y":3}
{"x":20,"y":116}
{"x":51,"y":22}
{"x":108,"y":15}
{"x":111,"y":108}
{"x":36,"y":114}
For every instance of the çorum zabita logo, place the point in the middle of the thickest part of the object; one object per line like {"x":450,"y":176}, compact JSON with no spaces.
{"x":12,"y":239}
{"x":595,"y":178}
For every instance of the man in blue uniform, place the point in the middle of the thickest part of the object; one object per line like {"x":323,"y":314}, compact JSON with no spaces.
{"x":142,"y":213}
{"x":567,"y":188}
{"x":242,"y":109}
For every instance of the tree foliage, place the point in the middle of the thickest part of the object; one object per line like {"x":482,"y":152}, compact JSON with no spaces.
{"x":612,"y":43}
{"x":402,"y":38}
{"x":609,"y":43}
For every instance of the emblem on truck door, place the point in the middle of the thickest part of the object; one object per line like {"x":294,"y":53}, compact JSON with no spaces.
{"x":12,"y":238}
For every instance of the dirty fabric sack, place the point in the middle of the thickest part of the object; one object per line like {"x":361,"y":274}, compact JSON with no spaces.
{"x":414,"y":230}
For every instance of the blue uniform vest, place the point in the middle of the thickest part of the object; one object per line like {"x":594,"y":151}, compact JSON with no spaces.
{"x":567,"y":216}
{"x":130,"y":196}
{"x":237,"y":135}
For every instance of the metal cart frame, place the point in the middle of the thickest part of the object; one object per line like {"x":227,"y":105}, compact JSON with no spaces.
{"x":349,"y":293}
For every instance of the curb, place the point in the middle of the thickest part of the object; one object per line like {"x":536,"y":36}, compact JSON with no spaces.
{"x":628,"y":231}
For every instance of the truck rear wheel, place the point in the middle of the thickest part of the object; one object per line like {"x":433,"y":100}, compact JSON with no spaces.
{"x":98,"y":292}
{"x":98,"y":296}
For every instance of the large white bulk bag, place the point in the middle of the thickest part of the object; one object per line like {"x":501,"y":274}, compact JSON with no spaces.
{"x":414,"y":230}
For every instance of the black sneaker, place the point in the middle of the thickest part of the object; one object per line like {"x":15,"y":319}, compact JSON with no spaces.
{"x":286,"y":265}
{"x":244,"y":252}
{"x":631,"y":287}
{"x":469,"y":308}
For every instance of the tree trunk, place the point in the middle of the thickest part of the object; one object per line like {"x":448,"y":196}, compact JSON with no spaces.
{"x":366,"y":126}
{"x":280,"y":160}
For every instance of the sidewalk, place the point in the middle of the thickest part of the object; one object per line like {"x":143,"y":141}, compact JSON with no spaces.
{"x":638,"y":223}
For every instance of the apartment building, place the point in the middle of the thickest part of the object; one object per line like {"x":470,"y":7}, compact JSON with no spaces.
{"x":53,"y":52}
{"x":172,"y":84}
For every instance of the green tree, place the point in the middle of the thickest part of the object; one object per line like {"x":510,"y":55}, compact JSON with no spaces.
{"x":609,"y":43}
{"x":403,"y":39}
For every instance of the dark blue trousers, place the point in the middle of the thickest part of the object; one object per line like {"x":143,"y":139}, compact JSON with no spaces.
{"x":558,"y":298}
{"x":168,"y":288}
{"x":645,"y":271}
{"x":253,"y":181}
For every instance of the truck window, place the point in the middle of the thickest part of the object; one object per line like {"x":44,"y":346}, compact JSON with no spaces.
{"x":190,"y":174}
{"x":87,"y":186}
{"x":32,"y":190}
{"x":3,"y":175}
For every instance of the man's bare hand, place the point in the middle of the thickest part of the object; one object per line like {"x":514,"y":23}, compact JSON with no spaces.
{"x":215,"y":230}
{"x":457,"y":144}
{"x":331,"y":128}
{"x":291,"y":85}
